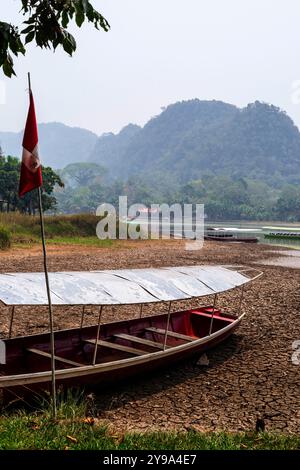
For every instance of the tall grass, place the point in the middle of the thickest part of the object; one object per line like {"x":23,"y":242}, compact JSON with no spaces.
{"x":73,"y":229}
{"x":25,"y":228}
{"x":68,"y":225}
{"x":5,"y":238}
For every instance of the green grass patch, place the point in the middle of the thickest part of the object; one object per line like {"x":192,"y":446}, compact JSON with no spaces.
{"x":79,"y":229}
{"x":40,"y":432}
{"x":57,"y":225}
{"x":81,"y":241}
{"x":5,"y":238}
{"x":84,"y":241}
{"x":75,"y":428}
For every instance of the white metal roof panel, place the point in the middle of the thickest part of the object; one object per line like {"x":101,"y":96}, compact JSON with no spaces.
{"x":124,"y":286}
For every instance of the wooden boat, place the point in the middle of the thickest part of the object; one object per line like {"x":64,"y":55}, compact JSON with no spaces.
{"x":109,"y":352}
{"x":223,"y":234}
{"x":231,"y":238}
{"x":285,"y":233}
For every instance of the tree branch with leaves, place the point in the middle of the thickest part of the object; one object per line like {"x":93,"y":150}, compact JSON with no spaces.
{"x":46,"y":24}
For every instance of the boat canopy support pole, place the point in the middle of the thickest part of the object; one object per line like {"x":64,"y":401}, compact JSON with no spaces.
{"x":82,"y":317}
{"x":11,"y":321}
{"x":141,"y":310}
{"x":212,"y":315}
{"x":167,"y":328}
{"x":241,"y":301}
{"x":97,"y":337}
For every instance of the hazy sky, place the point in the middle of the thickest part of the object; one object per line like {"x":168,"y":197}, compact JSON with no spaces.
{"x":158,"y":52}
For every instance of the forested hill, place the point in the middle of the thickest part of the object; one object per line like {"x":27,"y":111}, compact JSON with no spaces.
{"x":110,"y":148}
{"x":194,"y":138}
{"x":59,"y":144}
{"x":189,"y":140}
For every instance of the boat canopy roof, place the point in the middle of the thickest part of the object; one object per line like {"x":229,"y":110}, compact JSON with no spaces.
{"x":120,"y":287}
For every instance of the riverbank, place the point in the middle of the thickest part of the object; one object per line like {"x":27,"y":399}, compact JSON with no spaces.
{"x":250,"y":376}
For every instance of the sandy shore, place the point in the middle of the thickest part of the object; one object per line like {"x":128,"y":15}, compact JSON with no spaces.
{"x":249,"y":376}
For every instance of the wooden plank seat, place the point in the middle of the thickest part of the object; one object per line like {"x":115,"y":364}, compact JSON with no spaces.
{"x":120,"y":347}
{"x":57,"y":358}
{"x":173,"y":334}
{"x":138,"y":339}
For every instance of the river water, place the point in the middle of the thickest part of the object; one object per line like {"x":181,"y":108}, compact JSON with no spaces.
{"x":251,"y":229}
{"x":256,"y":229}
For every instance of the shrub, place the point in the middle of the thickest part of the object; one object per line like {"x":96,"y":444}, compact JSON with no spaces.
{"x":5,"y":238}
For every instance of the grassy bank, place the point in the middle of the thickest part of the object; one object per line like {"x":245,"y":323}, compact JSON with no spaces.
{"x":40,"y":432}
{"x":76,"y":428}
{"x":74,"y":229}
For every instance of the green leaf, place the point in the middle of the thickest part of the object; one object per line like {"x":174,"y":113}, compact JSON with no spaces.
{"x":21,"y":48}
{"x":65,"y":19}
{"x":30,"y":21}
{"x":85,"y":4}
{"x":67,"y":45}
{"x":28,"y":29}
{"x":29,"y":37}
{"x":8,"y":68}
{"x":56,"y":41}
{"x":79,"y":18}
{"x":72,"y":40}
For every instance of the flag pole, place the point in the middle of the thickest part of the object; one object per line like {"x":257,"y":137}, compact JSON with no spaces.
{"x":53,"y":384}
{"x":52,"y":344}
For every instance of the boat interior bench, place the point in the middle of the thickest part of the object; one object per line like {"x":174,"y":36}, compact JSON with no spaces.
{"x":120,"y":347}
{"x":138,"y":339}
{"x":160,"y":331}
{"x":57,"y":358}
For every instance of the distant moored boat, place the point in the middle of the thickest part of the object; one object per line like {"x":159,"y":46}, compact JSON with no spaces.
{"x":285,"y":233}
{"x":231,"y":234}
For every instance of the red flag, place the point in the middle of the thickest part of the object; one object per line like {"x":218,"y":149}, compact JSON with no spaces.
{"x":31,"y":171}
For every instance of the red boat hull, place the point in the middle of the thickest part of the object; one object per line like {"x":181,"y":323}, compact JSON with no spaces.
{"x":29,"y":371}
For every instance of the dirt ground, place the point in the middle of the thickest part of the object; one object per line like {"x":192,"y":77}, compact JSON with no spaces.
{"x":251,"y":375}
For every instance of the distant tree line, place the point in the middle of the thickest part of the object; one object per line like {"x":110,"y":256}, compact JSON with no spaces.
{"x":87,"y":186}
{"x":82,"y":187}
{"x":9,"y":186}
